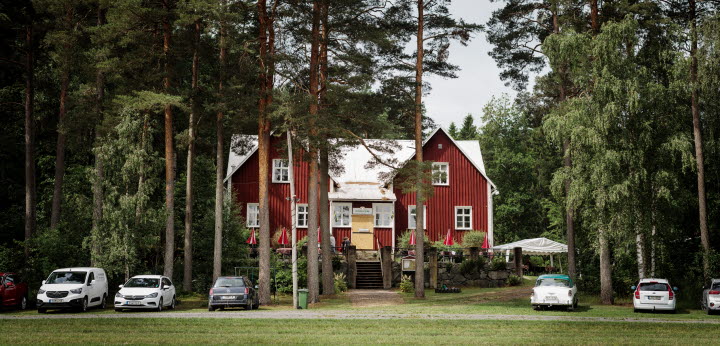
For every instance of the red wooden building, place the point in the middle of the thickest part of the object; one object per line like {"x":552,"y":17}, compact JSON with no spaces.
{"x":362,"y":206}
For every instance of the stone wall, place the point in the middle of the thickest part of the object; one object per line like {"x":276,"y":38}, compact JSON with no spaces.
{"x":449,"y":274}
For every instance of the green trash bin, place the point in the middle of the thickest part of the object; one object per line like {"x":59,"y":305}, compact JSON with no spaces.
{"x":302,"y":299}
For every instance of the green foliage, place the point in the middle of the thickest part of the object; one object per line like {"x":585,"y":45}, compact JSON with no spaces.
{"x":406,"y":284}
{"x":473,"y":239}
{"x":514,"y":280}
{"x":469,"y":267}
{"x":498,"y":263}
{"x":340,"y":283}
{"x":468,"y":131}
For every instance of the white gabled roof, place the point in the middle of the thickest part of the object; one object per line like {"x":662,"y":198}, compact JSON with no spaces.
{"x":355,"y":158}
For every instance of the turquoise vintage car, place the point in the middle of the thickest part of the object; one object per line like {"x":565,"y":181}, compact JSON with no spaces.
{"x":554,"y":290}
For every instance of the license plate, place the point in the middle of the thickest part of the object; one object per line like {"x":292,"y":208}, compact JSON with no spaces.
{"x":228,"y":297}
{"x":133,"y":302}
{"x":55,"y":300}
{"x":654,"y":297}
{"x":551,"y":298}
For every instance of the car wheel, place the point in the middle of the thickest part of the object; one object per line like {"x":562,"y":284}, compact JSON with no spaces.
{"x":636,"y":310}
{"x":160,"y":305}
{"x":211,"y":308}
{"x":23,"y":303}
{"x":103,"y":302}
{"x":172,"y":304}
{"x":42,"y":311}
{"x":709,"y":312}
{"x":84,"y":306}
{"x":249,"y":305}
{"x":118,"y":310}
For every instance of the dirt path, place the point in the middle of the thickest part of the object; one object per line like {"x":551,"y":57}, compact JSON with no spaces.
{"x":371,"y":298}
{"x":352,"y":315}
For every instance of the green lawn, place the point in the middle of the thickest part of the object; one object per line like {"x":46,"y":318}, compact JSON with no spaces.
{"x":327,"y":331}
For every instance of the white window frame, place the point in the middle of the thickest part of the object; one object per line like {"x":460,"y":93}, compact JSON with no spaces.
{"x":340,"y":224}
{"x":389,"y":213}
{"x":466,"y":218}
{"x":410,"y":216}
{"x":298,"y":213}
{"x":436,"y":167}
{"x":277,"y":167}
{"x":257,"y":215}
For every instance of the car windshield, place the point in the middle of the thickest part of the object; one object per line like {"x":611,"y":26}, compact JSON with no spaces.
{"x":654,"y":286}
{"x":66,"y":278}
{"x":715,"y":286}
{"x":552,"y":282}
{"x":229,"y":282}
{"x":143,"y":282}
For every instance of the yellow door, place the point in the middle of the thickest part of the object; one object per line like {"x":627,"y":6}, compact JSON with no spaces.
{"x":362,"y":232}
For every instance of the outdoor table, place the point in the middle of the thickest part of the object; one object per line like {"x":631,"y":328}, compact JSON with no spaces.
{"x":284,"y":251}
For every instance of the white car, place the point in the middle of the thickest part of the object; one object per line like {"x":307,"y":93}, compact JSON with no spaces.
{"x":711,"y":297}
{"x":654,"y":294}
{"x":146,"y":292}
{"x":554,"y":290}
{"x":78,"y":288}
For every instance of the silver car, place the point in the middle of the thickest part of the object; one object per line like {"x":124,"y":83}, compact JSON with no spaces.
{"x":711,"y":297}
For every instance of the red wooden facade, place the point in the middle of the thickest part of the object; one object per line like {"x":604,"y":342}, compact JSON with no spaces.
{"x":467,"y":187}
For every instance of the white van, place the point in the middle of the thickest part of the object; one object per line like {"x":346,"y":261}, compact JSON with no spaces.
{"x":78,"y":288}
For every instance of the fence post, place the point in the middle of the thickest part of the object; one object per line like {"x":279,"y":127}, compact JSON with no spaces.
{"x":518,"y":261}
{"x":433,"y":266}
{"x":474,"y":253}
{"x":387,"y":260}
{"x":352,"y":265}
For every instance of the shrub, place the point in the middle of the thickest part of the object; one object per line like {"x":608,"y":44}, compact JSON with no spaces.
{"x":474,"y":239}
{"x":406,"y":284}
{"x":514,"y":280}
{"x":340,"y":283}
{"x":498,"y":263}
{"x":468,"y":267}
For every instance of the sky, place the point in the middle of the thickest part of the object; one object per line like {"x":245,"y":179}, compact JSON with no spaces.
{"x":450,"y":100}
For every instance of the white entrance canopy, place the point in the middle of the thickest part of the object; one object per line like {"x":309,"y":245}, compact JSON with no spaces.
{"x":535,"y":246}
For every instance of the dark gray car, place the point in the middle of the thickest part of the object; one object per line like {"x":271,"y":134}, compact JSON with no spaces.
{"x":233,"y":291}
{"x":711,"y":297}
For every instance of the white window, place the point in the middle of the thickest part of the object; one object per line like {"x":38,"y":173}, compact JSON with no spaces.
{"x":441,"y":173}
{"x":253,"y":215}
{"x":280,"y":172}
{"x":463,"y":217}
{"x":302,"y":215}
{"x":341,"y":214}
{"x":383,"y":214}
{"x":412,"y":217}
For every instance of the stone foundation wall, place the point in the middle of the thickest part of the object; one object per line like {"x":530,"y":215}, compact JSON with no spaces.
{"x":449,"y":275}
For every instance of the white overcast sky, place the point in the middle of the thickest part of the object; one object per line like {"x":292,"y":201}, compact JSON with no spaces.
{"x":478,"y":78}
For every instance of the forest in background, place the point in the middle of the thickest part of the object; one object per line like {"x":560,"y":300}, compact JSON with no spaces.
{"x":108,"y":103}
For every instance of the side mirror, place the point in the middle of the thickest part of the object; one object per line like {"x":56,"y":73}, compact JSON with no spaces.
{"x":91,"y":283}
{"x":43,"y":282}
{"x":120,"y":286}
{"x":9,"y":284}
{"x":633,"y":288}
{"x":675,"y":289}
{"x":256,"y":287}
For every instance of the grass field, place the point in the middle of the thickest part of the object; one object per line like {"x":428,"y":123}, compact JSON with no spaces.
{"x":326,"y":331}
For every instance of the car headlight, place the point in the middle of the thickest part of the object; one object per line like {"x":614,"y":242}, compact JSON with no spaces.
{"x":41,"y":291}
{"x":76,"y":291}
{"x":152,"y":295}
{"x":118,"y":295}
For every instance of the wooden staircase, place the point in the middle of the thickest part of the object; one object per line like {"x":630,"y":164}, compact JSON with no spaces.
{"x":369,"y":275}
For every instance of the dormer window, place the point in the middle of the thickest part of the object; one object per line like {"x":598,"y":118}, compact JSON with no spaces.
{"x":441,"y":173}
{"x":280,"y":171}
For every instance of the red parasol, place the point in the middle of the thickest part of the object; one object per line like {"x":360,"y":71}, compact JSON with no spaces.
{"x":486,"y":244}
{"x":448,"y":239}
{"x":412,"y":238}
{"x":251,"y":240}
{"x":283,"y":240}
{"x":319,"y":238}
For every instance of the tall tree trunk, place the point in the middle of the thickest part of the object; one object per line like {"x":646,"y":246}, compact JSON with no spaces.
{"x":640,"y":251}
{"x":217,"y":258}
{"x":328,"y":280}
{"x":97,"y":187}
{"x":188,"y":251}
{"x":30,"y":191}
{"x":567,"y":163}
{"x":60,"y":147}
{"x":312,"y":253}
{"x":697,"y":132}
{"x":169,"y":155}
{"x":606,"y":289}
{"x":594,"y":21}
{"x":420,"y":202}
{"x":265,"y":52}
